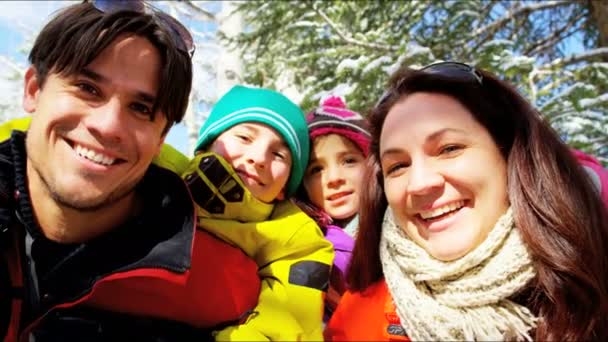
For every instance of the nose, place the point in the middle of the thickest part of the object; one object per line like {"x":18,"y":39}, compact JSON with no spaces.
{"x":257,"y":155}
{"x":334,"y":177}
{"x":107,"y":122}
{"x":423,"y":178}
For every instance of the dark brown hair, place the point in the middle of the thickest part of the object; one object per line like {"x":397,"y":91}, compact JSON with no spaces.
{"x":556,"y":207}
{"x":79,"y":33}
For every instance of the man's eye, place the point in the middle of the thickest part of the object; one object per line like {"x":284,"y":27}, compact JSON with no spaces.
{"x":87,"y":88}
{"x":141,"y":109}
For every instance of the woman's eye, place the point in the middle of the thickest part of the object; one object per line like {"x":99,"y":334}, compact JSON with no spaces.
{"x":393,"y":168}
{"x":450,"y":149}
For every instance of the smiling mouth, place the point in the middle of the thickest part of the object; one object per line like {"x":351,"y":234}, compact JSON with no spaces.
{"x":441,"y":212}
{"x":250,"y":176}
{"x":338,"y":195}
{"x":94,"y":156}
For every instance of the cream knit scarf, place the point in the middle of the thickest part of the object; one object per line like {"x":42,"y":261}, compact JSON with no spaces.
{"x":464,"y":299}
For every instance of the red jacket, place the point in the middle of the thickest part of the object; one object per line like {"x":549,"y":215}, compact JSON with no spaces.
{"x":159,"y":269}
{"x":366,"y":316}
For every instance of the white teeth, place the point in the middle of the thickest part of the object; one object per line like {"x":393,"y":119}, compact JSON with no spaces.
{"x":442,"y":210}
{"x":94,"y":156}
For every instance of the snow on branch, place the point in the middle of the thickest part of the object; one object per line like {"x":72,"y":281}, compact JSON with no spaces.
{"x":9,"y":63}
{"x":349,"y":39}
{"x":579,"y":57}
{"x":490,"y":29}
{"x":524,"y":10}
{"x":200,"y":12}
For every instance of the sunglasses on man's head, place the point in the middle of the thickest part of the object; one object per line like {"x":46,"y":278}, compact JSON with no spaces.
{"x":180,"y":34}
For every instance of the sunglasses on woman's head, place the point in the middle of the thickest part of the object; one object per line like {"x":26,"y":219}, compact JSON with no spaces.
{"x":459,"y":71}
{"x":454,"y":70}
{"x":180,"y":34}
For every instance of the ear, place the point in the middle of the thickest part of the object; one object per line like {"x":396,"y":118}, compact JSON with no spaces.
{"x":281,"y":195}
{"x":31,"y":90}
{"x":160,"y":144}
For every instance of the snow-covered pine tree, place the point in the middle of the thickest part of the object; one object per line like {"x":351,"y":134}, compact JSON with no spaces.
{"x":550,"y":49}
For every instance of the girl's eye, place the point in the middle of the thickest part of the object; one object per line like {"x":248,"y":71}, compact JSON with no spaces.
{"x":314,"y":170}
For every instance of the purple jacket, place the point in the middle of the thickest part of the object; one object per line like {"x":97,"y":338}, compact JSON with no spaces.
{"x":343,"y":245}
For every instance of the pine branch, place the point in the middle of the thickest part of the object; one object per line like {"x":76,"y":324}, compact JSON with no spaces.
{"x":576,"y":58}
{"x":16,"y":68}
{"x":488,"y":31}
{"x":201,"y":13}
{"x":349,"y":39}
{"x":551,"y":40}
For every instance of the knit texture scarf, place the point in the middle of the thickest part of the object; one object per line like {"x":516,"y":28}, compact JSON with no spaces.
{"x":463,"y":299}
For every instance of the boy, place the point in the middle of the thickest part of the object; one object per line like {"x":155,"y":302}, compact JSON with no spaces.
{"x":251,"y":155}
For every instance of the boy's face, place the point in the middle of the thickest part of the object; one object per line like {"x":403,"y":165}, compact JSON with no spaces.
{"x":259,"y":156}
{"x":91,"y":137}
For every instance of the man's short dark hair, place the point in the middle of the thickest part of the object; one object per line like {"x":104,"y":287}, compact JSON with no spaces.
{"x":79,"y":33}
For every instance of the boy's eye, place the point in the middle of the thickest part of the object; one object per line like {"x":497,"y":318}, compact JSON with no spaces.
{"x":280,"y":155}
{"x":243,"y":137}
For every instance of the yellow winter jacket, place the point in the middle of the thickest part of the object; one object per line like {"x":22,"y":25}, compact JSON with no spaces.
{"x":293,"y":256}
{"x":20,"y":124}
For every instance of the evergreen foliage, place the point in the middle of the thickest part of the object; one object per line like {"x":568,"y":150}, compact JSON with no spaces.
{"x":549,"y":49}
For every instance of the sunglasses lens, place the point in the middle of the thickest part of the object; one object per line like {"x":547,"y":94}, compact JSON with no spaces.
{"x":454,"y":70}
{"x":108,"y":6}
{"x":180,"y":34}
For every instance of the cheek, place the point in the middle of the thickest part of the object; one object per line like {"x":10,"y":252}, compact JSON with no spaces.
{"x":393,"y":191}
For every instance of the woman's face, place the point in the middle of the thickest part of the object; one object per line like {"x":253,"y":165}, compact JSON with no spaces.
{"x":444,"y":176}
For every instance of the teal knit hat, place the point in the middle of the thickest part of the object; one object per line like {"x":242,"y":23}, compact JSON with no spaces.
{"x":243,"y":104}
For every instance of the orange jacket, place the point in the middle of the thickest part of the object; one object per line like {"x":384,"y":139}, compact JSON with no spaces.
{"x":366,"y":316}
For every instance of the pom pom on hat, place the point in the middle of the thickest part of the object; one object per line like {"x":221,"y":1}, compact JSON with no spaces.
{"x":332,"y":117}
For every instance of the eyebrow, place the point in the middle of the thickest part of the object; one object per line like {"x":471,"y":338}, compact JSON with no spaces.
{"x":432,"y":137}
{"x":141,"y":95}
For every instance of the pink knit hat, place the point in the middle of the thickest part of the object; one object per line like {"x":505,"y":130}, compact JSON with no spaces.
{"x":334,"y":118}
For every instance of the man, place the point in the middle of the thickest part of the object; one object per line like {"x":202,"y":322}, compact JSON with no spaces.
{"x":97,"y":243}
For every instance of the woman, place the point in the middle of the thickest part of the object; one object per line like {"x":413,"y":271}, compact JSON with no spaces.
{"x":478,"y":224}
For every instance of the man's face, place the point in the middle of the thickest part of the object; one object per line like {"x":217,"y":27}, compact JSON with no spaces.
{"x":91,"y":137}
{"x":259,"y":156}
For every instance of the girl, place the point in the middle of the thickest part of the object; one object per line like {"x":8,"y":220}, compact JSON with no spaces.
{"x":332,"y":182}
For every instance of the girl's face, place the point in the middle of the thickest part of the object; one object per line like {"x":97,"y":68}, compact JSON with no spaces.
{"x":333,"y":177}
{"x":444,"y":177}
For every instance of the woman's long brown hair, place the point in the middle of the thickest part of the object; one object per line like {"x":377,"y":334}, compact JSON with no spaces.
{"x":557,"y":209}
